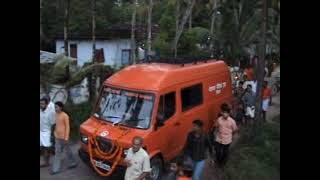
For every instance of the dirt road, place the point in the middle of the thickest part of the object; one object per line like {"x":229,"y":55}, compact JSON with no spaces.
{"x":83,"y":172}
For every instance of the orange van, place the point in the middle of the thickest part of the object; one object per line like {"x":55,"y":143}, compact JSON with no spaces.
{"x":157,"y":101}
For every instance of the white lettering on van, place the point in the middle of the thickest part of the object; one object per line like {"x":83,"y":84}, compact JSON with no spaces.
{"x":212,"y":88}
{"x":218,"y":87}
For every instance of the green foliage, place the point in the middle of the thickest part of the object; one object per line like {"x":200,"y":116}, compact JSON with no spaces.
{"x":78,"y":114}
{"x":121,"y":14}
{"x":235,"y":34}
{"x":80,"y":17}
{"x":59,"y":73}
{"x":77,"y":77}
{"x":160,"y":44}
{"x":65,"y":72}
{"x":257,"y":158}
{"x":167,"y":23}
{"x":107,"y":14}
{"x":191,"y":39}
{"x":231,"y":35}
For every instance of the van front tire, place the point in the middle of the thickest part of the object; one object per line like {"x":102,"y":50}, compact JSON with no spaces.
{"x":157,"y":169}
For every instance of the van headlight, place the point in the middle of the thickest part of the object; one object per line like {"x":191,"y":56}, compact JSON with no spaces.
{"x":84,"y":139}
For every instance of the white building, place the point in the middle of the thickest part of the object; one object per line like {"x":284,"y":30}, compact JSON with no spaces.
{"x":114,"y":52}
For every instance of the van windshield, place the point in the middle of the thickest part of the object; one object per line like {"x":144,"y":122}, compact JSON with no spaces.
{"x":129,"y":108}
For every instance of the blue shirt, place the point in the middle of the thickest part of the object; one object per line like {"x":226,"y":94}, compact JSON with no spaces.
{"x":249,"y":99}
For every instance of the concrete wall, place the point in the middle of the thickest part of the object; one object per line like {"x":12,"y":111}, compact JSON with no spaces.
{"x":112,"y":50}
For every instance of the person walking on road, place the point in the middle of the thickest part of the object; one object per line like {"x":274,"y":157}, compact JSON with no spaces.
{"x":62,"y":133}
{"x":196,"y":146}
{"x":46,"y":123}
{"x":266,"y":98}
{"x":226,"y":128}
{"x":249,"y":100}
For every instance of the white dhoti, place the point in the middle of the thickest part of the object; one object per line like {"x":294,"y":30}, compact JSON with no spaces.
{"x":45,"y":138}
{"x":265,"y":104}
{"x":250,"y":111}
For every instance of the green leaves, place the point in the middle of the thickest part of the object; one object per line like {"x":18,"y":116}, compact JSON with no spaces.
{"x":192,"y":40}
{"x":258,"y":157}
{"x":236,"y":27}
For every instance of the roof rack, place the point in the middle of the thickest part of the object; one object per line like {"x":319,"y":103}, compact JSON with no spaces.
{"x":181,"y":60}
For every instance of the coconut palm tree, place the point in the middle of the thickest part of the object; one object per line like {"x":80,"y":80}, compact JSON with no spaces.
{"x":180,"y":27}
{"x":66,"y":26}
{"x":149,"y":26}
{"x":133,"y":31}
{"x":240,"y":26}
{"x":261,"y":62}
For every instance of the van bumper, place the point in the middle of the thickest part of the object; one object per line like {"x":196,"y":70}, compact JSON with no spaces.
{"x":117,"y":174}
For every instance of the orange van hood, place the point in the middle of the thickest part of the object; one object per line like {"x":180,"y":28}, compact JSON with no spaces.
{"x":121,"y":134}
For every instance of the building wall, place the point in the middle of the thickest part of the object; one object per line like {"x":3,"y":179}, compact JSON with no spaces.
{"x":112,"y":50}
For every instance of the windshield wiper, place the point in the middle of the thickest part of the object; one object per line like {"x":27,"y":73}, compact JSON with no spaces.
{"x":118,"y":122}
{"x":115,"y":117}
{"x":110,"y":116}
{"x":122,"y":120}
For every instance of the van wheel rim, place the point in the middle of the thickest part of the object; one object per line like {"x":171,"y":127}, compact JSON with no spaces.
{"x":155,"y":172}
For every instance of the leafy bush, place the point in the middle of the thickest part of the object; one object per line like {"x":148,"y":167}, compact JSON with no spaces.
{"x":190,"y":40}
{"x":258,"y":157}
{"x":78,"y":114}
{"x":161,"y":45}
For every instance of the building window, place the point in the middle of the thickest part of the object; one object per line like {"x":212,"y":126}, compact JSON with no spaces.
{"x":191,"y":96}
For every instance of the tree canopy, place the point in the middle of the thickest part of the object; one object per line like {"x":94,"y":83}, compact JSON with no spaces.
{"x":236,"y":25}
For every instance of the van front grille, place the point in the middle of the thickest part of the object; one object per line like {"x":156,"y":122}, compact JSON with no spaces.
{"x":104,"y":144}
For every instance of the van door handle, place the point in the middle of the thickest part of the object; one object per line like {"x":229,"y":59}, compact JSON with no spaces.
{"x":177,"y":124}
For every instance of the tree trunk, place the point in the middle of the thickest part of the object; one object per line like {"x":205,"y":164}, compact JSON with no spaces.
{"x":66,"y":27}
{"x":185,"y":17}
{"x":41,"y":31}
{"x":93,"y":30}
{"x":235,"y":13}
{"x":133,"y":29}
{"x":177,"y":23}
{"x":94,"y":73}
{"x":261,"y":62}
{"x":190,"y":21}
{"x":213,"y":16}
{"x":149,"y":28}
{"x":236,"y":41}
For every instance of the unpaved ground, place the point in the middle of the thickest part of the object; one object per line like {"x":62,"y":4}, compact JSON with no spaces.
{"x":83,"y":172}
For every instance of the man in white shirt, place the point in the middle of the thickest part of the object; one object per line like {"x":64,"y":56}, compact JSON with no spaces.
{"x":254,"y":86}
{"x":47,"y":119}
{"x":252,"y":83}
{"x":246,"y":82}
{"x":137,"y":160}
{"x":51,"y":104}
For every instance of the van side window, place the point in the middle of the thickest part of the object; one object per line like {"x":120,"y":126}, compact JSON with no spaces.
{"x":191,"y":96}
{"x":167,"y":106}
